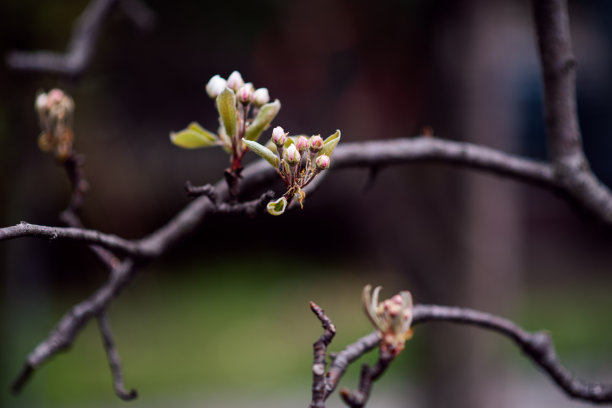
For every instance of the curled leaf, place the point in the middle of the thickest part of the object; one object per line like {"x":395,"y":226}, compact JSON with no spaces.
{"x":330,"y":144}
{"x":226,"y":105}
{"x":262,"y":151}
{"x":277,"y":207}
{"x":266,"y":114}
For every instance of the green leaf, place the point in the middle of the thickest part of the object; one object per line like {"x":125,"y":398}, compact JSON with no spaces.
{"x":277,"y":207}
{"x":266,"y":114}
{"x":262,"y":151}
{"x":330,"y":144}
{"x":193,"y":137}
{"x":226,"y":105}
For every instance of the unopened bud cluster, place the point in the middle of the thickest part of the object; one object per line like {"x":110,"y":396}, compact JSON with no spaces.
{"x":297,"y":160}
{"x":244,"y":112}
{"x":55,"y":112}
{"x":391,"y":318}
{"x":245,"y":92}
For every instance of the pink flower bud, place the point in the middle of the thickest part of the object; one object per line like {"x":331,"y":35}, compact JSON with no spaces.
{"x":245,"y":93}
{"x":261,"y":96}
{"x":235,"y":81}
{"x":292,"y":156}
{"x":316,"y":143}
{"x":215,"y":86}
{"x":279,"y":137}
{"x":55,"y":96}
{"x":302,"y":144}
{"x":322,"y":162}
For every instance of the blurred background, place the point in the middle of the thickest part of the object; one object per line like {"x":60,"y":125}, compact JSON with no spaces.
{"x":223,"y":319}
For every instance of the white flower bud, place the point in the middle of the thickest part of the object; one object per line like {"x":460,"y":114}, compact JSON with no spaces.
{"x":215,"y":86}
{"x":261,"y":96}
{"x":302,"y":144}
{"x":41,"y":102}
{"x":322,"y":162}
{"x":292,"y":156}
{"x":279,"y":137}
{"x":235,"y":81}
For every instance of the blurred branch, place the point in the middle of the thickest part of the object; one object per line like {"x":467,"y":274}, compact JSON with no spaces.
{"x":63,"y":334}
{"x":113,"y":359}
{"x":85,"y":33}
{"x":571,"y":168}
{"x":359,"y":397}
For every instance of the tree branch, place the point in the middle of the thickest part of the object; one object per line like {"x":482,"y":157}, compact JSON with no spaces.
{"x":319,"y":382}
{"x":538,"y":347}
{"x":361,"y":154}
{"x":359,"y":397}
{"x":85,"y":33}
{"x":63,"y":334}
{"x":113,"y":359}
{"x":571,"y":168}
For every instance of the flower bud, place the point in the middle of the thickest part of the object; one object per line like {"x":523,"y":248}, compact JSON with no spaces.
{"x":215,"y":86}
{"x":316,"y":143}
{"x":41,"y":103}
{"x":322,"y":162}
{"x":261,"y":96}
{"x":245,"y":93}
{"x":302,"y":144}
{"x":279,"y":137}
{"x":235,"y":81}
{"x":292,"y":156}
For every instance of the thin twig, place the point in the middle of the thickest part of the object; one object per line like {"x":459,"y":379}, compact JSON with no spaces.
{"x":113,"y":359}
{"x":320,"y":354}
{"x":359,"y":397}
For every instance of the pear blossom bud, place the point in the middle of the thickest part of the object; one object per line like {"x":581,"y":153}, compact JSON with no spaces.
{"x":41,"y":102}
{"x":215,"y":86}
{"x":292,"y":156}
{"x":316,"y":143}
{"x":245,"y":93}
{"x":302,"y":144}
{"x":322,"y":162}
{"x":261,"y":96}
{"x":55,"y":96}
{"x":279,"y":137}
{"x":235,"y":81}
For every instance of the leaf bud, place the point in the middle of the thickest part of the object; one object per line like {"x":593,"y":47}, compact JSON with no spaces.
{"x":235,"y":81}
{"x":316,"y":143}
{"x":279,"y":137}
{"x":261,"y":96}
{"x":215,"y":86}
{"x":292,"y":156}
{"x":302,"y":144}
{"x":322,"y":162}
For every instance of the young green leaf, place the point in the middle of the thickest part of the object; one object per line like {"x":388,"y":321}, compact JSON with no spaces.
{"x":330,"y":144}
{"x":262,"y":151}
{"x":193,"y":137}
{"x":277,"y":207}
{"x":266,"y":114}
{"x":226,"y":105}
